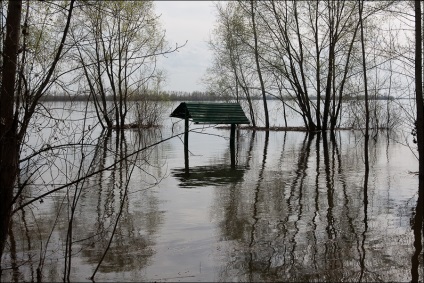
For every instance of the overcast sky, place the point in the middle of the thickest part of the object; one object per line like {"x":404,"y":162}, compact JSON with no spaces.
{"x":183,"y":21}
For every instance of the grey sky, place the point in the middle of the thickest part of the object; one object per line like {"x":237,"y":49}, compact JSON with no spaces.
{"x":192,"y":21}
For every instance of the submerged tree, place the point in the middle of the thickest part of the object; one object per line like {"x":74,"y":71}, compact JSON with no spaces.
{"x":16,"y":114}
{"x":419,"y":90}
{"x":9,"y":151}
{"x":308,"y":51}
{"x":118,"y":45}
{"x":419,"y":124}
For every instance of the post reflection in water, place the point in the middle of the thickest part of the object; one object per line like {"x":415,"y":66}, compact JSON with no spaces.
{"x":210,"y":175}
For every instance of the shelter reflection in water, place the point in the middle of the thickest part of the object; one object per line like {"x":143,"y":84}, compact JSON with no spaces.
{"x":209,"y":175}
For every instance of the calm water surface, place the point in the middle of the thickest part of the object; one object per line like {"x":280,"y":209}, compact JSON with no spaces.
{"x":293,"y":207}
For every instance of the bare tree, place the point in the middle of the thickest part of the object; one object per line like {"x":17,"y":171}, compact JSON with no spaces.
{"x":15,"y":119}
{"x":307,"y":50}
{"x":118,"y":46}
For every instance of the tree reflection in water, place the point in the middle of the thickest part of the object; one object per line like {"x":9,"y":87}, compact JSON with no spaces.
{"x":418,"y":228}
{"x":96,"y":225}
{"x":133,"y":232}
{"x":309,"y":222}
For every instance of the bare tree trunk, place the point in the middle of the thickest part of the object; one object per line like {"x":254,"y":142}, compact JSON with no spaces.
{"x":318,"y":69}
{"x":330,"y":70}
{"x":303,"y":83}
{"x":419,"y":124}
{"x":364,"y":66}
{"x":241,"y":81}
{"x":258,"y":67}
{"x":9,"y":149}
{"x":102,"y":92}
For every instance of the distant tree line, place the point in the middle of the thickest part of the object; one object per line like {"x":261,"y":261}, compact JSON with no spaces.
{"x":188,"y":96}
{"x":145,"y":96}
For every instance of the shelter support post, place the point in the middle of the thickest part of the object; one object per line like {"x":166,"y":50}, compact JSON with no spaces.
{"x":186,"y":143}
{"x":232,"y":145}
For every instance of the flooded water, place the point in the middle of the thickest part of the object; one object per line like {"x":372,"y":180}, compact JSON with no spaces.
{"x":290,"y":207}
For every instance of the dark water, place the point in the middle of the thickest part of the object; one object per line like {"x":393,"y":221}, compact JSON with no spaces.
{"x":290,"y":207}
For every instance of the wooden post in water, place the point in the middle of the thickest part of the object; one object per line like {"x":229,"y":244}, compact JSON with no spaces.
{"x":232,"y":146}
{"x":186,"y":142}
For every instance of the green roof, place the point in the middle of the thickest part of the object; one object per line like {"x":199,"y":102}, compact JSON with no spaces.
{"x":211,"y":113}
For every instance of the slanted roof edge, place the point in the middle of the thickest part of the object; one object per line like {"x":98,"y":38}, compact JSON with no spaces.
{"x":211,"y":113}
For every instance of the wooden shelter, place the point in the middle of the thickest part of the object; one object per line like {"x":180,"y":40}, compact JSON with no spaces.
{"x":210,"y":113}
